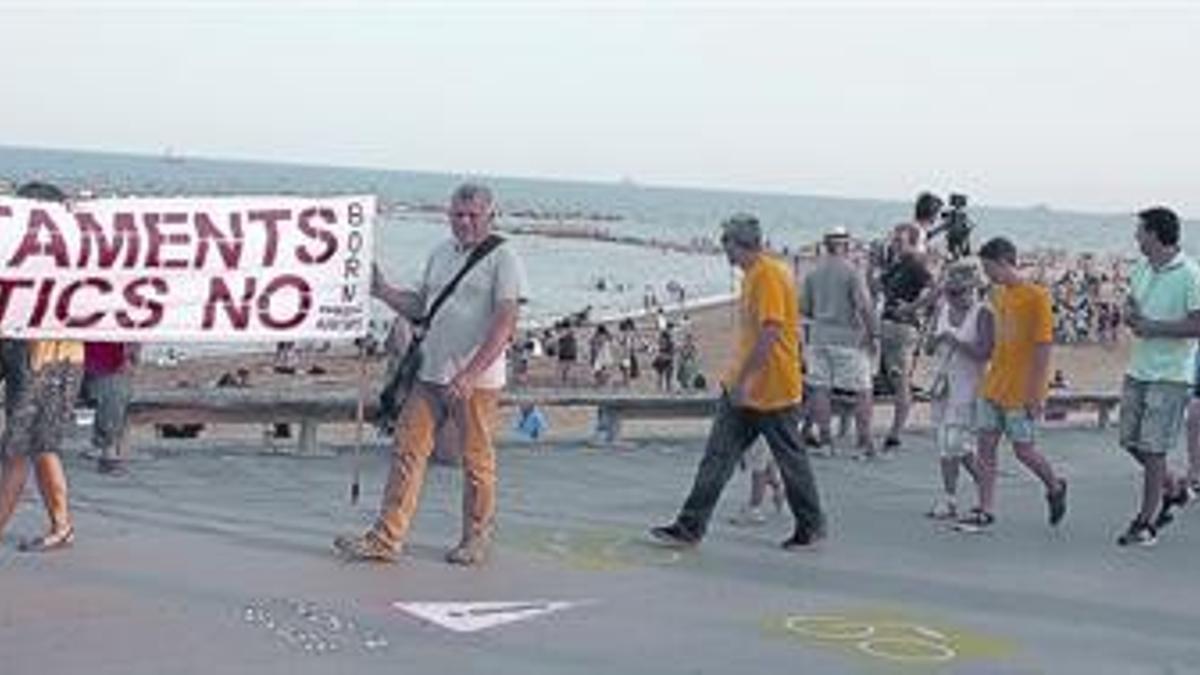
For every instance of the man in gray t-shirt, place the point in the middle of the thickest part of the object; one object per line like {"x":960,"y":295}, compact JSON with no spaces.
{"x":841,"y":337}
{"x":458,"y":386}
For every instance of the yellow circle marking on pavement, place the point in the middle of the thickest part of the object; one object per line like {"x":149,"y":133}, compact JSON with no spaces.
{"x":891,"y":636}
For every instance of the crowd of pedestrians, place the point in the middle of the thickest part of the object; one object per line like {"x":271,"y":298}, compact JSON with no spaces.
{"x":850,"y":327}
{"x":989,"y":326}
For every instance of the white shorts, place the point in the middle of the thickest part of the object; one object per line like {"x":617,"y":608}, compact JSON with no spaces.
{"x":838,"y":367}
{"x":953,"y":427}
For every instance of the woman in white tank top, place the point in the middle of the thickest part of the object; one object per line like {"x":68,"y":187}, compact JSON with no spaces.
{"x":962,"y":343}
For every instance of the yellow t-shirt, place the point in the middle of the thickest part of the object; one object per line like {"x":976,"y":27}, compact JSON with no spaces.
{"x":1024,"y":319}
{"x":42,"y":352}
{"x":769,"y":296}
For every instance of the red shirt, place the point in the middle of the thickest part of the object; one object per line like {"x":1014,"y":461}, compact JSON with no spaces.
{"x":103,"y":358}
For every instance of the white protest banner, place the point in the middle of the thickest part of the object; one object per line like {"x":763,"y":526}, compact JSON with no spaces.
{"x":216,"y":269}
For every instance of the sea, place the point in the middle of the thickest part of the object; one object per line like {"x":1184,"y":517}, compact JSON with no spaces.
{"x":566,"y":275}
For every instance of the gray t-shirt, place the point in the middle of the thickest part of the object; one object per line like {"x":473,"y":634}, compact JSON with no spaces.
{"x":461,"y":323}
{"x":830,"y":299}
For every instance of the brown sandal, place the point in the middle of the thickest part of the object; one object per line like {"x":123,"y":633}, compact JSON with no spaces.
{"x":50,"y":542}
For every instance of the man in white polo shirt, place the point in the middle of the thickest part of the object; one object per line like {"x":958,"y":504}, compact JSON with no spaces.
{"x":1164,"y":314}
{"x":458,"y":385}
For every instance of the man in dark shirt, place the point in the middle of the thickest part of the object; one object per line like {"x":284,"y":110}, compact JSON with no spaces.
{"x":907,"y":286}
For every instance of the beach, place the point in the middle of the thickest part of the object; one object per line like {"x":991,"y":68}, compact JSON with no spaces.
{"x":1087,"y":366}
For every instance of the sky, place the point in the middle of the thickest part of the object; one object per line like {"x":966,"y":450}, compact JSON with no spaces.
{"x":1081,"y":105}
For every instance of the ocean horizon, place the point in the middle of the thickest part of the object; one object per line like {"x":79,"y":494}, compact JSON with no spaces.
{"x":565,"y":274}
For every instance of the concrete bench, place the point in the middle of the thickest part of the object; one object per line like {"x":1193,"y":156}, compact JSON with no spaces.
{"x":613,"y":411}
{"x":308,"y":408}
{"x":1069,"y":401}
{"x":311,"y":408}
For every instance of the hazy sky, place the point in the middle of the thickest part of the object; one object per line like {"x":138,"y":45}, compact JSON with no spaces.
{"x":1074,"y":104}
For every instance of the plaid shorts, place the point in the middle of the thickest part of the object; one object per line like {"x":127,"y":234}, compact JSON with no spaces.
{"x":44,"y":408}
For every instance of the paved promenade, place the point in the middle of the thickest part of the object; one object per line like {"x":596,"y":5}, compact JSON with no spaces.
{"x":219,"y":562}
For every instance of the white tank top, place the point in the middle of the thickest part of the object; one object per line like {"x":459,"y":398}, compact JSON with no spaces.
{"x":962,"y":372}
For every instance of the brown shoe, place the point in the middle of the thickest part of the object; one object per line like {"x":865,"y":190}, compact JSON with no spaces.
{"x":367,"y":547}
{"x":469,"y":553}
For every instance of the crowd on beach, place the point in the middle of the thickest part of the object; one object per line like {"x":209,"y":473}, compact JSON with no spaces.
{"x":846,"y":325}
{"x":591,"y":354}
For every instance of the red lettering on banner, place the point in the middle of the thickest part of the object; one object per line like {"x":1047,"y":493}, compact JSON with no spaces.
{"x":136,"y":299}
{"x":125,"y":235}
{"x":31,"y":245}
{"x":270,"y":219}
{"x":7,"y":286}
{"x":62,"y":309}
{"x":313,"y":231}
{"x":45,"y":290}
{"x":276,"y":285}
{"x":156,"y":240}
{"x":218,"y":293}
{"x":229,"y":246}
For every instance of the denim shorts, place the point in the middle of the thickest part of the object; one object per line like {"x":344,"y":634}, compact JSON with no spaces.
{"x":1015,"y":423}
{"x":1152,"y":414}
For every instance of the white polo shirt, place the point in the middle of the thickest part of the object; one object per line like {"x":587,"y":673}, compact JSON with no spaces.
{"x":461,"y":324}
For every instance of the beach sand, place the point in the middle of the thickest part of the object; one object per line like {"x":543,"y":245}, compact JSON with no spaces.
{"x":1088,"y":367}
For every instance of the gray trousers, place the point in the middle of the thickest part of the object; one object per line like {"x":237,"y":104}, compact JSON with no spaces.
{"x":112,"y":392}
{"x":733,"y":431}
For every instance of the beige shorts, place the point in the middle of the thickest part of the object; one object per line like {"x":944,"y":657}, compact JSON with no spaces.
{"x":838,"y":367}
{"x":896,"y":345}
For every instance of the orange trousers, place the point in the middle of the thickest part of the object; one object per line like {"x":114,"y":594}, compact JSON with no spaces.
{"x":469,"y":425}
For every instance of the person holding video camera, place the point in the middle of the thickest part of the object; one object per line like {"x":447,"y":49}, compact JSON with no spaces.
{"x":956,"y":225}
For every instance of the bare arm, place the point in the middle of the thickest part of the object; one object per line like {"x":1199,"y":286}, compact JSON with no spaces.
{"x":758,"y":358}
{"x":1187,"y":327}
{"x":495,"y":341}
{"x":133,"y":354}
{"x":406,"y":303}
{"x":985,"y":337}
{"x":866,"y":312}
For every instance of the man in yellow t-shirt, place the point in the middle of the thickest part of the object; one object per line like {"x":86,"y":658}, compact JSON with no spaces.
{"x":1013,"y":391}
{"x":43,"y":379}
{"x":761,"y":395}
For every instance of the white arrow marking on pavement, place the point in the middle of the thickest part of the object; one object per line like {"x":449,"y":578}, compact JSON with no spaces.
{"x":467,"y":617}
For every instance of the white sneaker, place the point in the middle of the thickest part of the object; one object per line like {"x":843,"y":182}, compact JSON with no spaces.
{"x":749,"y":516}
{"x":943,"y":508}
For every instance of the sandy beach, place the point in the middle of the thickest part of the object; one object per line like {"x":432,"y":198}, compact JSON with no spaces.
{"x":1091,"y":367}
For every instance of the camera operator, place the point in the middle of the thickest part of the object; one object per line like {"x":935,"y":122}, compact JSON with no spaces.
{"x":907,"y":289}
{"x":925,"y":216}
{"x":957,"y":227}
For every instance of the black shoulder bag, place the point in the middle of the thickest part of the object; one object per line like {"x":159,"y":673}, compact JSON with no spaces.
{"x":396,"y":390}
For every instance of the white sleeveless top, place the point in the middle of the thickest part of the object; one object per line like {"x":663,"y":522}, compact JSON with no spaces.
{"x":962,"y":372}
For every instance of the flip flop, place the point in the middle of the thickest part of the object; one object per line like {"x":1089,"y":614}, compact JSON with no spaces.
{"x":49,"y":542}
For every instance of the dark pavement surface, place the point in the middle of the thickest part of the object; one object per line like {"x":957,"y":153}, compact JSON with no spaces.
{"x":220,"y":562}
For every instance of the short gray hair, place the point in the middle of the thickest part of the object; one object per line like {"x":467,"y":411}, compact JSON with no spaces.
{"x":469,"y":192}
{"x":742,"y":229}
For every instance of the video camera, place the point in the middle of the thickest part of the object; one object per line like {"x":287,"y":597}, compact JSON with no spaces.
{"x":957,"y":226}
